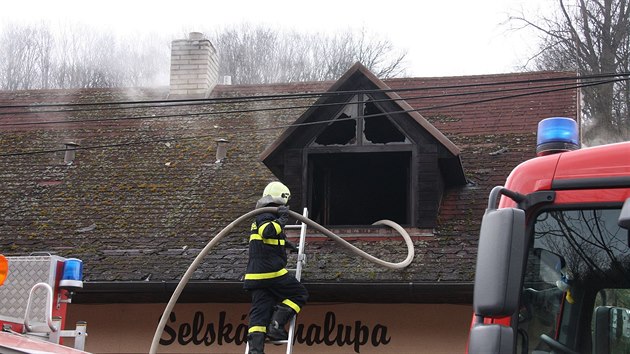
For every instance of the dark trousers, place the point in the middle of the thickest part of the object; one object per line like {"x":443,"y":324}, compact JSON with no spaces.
{"x":264,"y":299}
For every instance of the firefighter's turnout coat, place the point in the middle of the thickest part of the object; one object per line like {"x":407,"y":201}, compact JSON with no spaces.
{"x":267,"y":252}
{"x":267,"y":278}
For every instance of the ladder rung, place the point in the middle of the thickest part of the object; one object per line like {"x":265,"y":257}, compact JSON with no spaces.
{"x":279,"y":342}
{"x":293,"y":226}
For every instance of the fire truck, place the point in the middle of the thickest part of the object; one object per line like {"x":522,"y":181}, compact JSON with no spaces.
{"x":553,"y":266}
{"x":34,"y":294}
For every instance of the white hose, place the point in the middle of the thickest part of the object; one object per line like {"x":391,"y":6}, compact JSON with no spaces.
{"x":193,"y":266}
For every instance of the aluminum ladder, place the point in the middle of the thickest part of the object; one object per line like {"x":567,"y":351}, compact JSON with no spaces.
{"x":301,"y":261}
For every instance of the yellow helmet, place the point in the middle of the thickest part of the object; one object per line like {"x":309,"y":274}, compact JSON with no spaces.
{"x":274,"y":193}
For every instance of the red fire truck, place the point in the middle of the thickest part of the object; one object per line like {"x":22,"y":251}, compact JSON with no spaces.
{"x":553,"y":266}
{"x":34,"y":293}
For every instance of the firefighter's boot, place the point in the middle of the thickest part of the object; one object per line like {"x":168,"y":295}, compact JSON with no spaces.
{"x":280,"y":317}
{"x":256,"y":342}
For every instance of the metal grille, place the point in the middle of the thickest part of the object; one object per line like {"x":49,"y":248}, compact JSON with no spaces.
{"x":24,"y":272}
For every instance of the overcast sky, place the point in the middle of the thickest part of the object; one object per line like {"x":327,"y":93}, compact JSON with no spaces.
{"x":442,"y":37}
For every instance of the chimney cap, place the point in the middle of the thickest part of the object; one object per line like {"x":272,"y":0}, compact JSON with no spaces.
{"x":195,"y":36}
{"x":221,"y":140}
{"x":71,"y":144}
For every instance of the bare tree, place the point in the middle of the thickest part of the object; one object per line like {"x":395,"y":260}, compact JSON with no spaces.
{"x":77,"y":56}
{"x":254,"y":55}
{"x":24,"y":53}
{"x":85,"y":59}
{"x":45,"y":47}
{"x":249,"y":55}
{"x":143,"y":60}
{"x":591,"y":37}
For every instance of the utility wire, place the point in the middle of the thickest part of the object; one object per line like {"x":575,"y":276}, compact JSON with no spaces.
{"x":164,"y":140}
{"x":252,"y":110}
{"x":177,"y":102}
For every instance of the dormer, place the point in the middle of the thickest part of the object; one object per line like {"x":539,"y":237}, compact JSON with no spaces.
{"x":371,"y":157}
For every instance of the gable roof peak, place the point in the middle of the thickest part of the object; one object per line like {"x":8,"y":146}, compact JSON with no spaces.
{"x":354,"y":74}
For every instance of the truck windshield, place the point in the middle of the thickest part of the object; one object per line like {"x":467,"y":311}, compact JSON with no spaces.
{"x":574,"y":297}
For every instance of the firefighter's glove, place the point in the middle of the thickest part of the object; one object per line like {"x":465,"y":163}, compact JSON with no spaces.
{"x":291,"y":246}
{"x":283,"y":215}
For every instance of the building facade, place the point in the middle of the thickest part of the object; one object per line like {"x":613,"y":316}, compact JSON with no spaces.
{"x":135,"y":182}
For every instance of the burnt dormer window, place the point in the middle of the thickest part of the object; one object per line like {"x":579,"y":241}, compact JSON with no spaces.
{"x":360,"y":188}
{"x":363,"y":155}
{"x":359,"y":168}
{"x":378,"y":128}
{"x":361,"y":122}
{"x":341,"y":132}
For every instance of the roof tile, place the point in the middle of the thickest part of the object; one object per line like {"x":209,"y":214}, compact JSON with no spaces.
{"x":126,"y":209}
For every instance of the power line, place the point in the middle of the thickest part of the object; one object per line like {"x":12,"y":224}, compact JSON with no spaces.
{"x":253,"y":110}
{"x":201,"y":101}
{"x":304,"y":124}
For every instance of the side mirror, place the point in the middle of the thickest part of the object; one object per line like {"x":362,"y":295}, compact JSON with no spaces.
{"x":500,"y":262}
{"x":491,"y":339}
{"x":611,"y":323}
{"x":624,"y":216}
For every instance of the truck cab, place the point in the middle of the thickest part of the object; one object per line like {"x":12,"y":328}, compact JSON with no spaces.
{"x":553,"y":267}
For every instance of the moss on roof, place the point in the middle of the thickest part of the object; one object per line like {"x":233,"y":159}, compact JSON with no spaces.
{"x":126,"y":209}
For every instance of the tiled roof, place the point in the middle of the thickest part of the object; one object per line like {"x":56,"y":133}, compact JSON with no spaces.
{"x":141,"y":212}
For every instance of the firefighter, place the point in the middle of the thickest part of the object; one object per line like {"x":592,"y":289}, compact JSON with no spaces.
{"x":276,"y":295}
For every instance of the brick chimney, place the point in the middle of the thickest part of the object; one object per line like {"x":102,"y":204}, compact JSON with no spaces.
{"x":194,"y":67}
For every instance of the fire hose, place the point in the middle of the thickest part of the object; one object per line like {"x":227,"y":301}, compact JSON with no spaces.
{"x":193,"y":266}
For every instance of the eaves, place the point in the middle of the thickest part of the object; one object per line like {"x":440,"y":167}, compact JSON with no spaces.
{"x":231,"y":291}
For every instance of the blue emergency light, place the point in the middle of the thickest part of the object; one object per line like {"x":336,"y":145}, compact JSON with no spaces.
{"x":72,"y":274}
{"x":557,"y":134}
